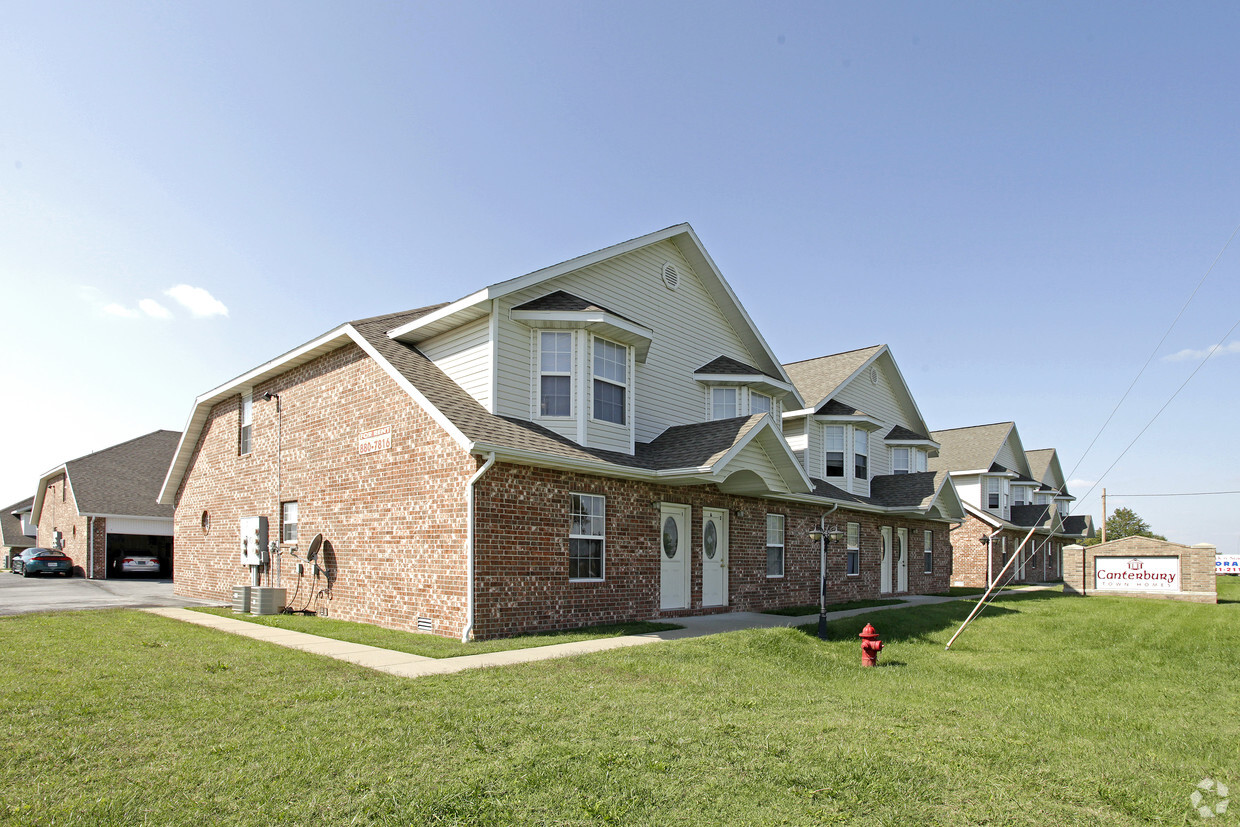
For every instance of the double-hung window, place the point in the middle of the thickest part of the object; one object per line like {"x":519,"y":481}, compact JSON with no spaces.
{"x":861,"y":454}
{"x":774,"y":545}
{"x":899,"y":460}
{"x":288,"y":522}
{"x":555,"y":373}
{"x":928,"y":550}
{"x":853,"y":558}
{"x":759,"y":403}
{"x":587,"y":536}
{"x":993,"y":486}
{"x":247,"y":424}
{"x":610,"y":380}
{"x":833,"y":444}
{"x":921,"y":459}
{"x":723,"y":403}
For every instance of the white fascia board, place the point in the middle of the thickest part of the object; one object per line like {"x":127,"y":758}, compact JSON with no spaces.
{"x":976,"y":472}
{"x":442,"y":313}
{"x":743,"y":379}
{"x":239,"y":385}
{"x":926,"y":443}
{"x":767,"y":425}
{"x":849,"y":419}
{"x":797,"y":414}
{"x":149,"y":517}
{"x":599,"y":322}
{"x":600,"y":467}
{"x":37,"y":506}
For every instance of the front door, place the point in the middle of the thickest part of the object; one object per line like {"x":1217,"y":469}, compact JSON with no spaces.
{"x":674,"y":556}
{"x":884,"y":584}
{"x":714,"y":557}
{"x":901,"y":559}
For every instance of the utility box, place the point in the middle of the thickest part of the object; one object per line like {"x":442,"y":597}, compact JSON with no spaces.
{"x":241,"y":599}
{"x":253,"y":541}
{"x":266,"y":600}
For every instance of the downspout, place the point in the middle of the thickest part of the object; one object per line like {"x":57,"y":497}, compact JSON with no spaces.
{"x":469,"y":546}
{"x":90,"y":543}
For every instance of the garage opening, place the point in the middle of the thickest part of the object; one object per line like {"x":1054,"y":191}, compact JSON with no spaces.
{"x":139,"y":555}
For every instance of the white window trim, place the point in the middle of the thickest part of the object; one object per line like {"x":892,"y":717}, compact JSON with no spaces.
{"x":927,"y":550}
{"x":247,"y":406}
{"x":602,"y":566}
{"x":920,"y":460}
{"x":592,"y":377}
{"x":284,"y":523}
{"x":782,"y":545}
{"x":710,"y":401}
{"x":908,"y":460}
{"x":851,"y":549}
{"x":843,"y":452}
{"x":538,"y":373}
{"x":869,"y":469}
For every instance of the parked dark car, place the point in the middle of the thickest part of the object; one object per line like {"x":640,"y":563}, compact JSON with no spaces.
{"x":34,"y":561}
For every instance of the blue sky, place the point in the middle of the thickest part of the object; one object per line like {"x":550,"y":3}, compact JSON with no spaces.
{"x":1018,"y":198}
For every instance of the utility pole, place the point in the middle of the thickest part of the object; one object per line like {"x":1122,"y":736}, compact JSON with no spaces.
{"x":1104,"y":515}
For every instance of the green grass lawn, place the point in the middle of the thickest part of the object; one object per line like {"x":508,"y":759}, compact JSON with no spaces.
{"x":433,"y":646}
{"x":800,"y":611}
{"x":1048,"y":710}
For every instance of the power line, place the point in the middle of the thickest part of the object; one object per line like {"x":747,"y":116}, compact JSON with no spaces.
{"x":1181,"y":494}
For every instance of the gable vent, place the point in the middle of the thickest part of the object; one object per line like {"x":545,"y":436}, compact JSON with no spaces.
{"x":873,"y":375}
{"x":671,"y":276}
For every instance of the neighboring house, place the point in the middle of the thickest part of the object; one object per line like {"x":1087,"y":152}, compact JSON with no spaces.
{"x":102,"y":506}
{"x":595,"y":442}
{"x":864,"y":443}
{"x":1005,"y":496}
{"x":16,"y":532}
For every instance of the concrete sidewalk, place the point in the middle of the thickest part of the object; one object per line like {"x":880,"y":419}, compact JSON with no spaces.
{"x":415,"y":666}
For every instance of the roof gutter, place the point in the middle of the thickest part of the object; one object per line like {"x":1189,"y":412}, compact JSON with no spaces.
{"x":469,"y":546}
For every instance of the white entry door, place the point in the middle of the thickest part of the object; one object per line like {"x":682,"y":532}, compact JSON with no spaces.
{"x":674,"y":556}
{"x":714,"y":557}
{"x":884,"y":583}
{"x":901,"y":559}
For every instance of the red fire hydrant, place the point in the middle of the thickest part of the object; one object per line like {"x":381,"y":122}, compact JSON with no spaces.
{"x":870,"y":646}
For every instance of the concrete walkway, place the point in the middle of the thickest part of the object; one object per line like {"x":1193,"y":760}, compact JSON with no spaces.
{"x":415,"y":666}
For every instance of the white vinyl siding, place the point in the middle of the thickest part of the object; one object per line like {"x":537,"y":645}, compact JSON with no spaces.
{"x":754,"y":458}
{"x":1008,"y":459}
{"x":464,"y":355}
{"x":689,"y":331}
{"x":798,"y":441}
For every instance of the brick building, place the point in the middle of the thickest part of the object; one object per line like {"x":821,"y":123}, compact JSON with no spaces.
{"x":101,"y":506}
{"x":16,"y":532}
{"x":599,"y":441}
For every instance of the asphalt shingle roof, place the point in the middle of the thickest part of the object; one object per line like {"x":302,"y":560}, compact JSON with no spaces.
{"x":1039,"y":462}
{"x":817,"y":379}
{"x":11,"y":527}
{"x":900,"y":432}
{"x":966,"y":449}
{"x":728,"y":365}
{"x":902,"y":491}
{"x":124,"y":479}
{"x":1027,"y":516}
{"x":1079,"y":525}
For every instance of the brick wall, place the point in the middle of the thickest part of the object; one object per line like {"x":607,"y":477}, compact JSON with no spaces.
{"x":522,"y":528}
{"x":969,"y":554}
{"x":1197,"y":577}
{"x":393,"y":520}
{"x":60,"y":513}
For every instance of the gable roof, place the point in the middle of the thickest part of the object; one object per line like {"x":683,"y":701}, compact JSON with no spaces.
{"x":1079,"y":525}
{"x":969,"y":449}
{"x":818,"y":379}
{"x":11,"y":525}
{"x":121,"y":481}
{"x":477,"y":305}
{"x":915,"y":493}
{"x":1030,"y":516}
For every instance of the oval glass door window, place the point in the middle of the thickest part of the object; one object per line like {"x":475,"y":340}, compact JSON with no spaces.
{"x":710,"y":539}
{"x":671,"y":537}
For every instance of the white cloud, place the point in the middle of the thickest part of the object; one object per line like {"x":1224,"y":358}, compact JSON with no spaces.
{"x":1188,"y":354}
{"x":154,"y":309}
{"x":115,"y":309}
{"x":197,"y":301}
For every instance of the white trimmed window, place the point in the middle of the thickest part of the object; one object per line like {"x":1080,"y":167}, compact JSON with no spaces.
{"x":928,"y":550}
{"x":899,"y":460}
{"x":774,"y":545}
{"x":759,"y":403}
{"x":833,"y":444}
{"x":994,"y":486}
{"x":288,"y":522}
{"x":920,"y":456}
{"x":555,"y":373}
{"x":587,"y":536}
{"x":853,"y":553}
{"x":610,"y":381}
{"x":861,"y":454}
{"x":1041,"y":499}
{"x":247,"y":424}
{"x":724,"y":403}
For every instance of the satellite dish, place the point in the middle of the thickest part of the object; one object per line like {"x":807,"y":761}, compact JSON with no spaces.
{"x":313,"y":553}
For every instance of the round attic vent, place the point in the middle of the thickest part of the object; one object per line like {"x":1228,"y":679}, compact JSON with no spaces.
{"x":873,"y":375}
{"x":671,"y":276}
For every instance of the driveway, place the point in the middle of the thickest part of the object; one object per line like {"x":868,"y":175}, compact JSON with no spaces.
{"x":19,"y":595}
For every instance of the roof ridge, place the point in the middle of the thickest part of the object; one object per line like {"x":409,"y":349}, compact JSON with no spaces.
{"x":830,"y":355}
{"x":430,"y":308}
{"x":120,"y":444}
{"x":969,"y":427}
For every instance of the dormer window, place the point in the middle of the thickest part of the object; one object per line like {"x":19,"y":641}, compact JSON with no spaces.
{"x":610,"y":380}
{"x":861,"y":454}
{"x":759,"y":403}
{"x":555,"y":379}
{"x":920,"y":457}
{"x":834,"y":450}
{"x":899,"y":460}
{"x":724,"y":403}
{"x":993,"y":488}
